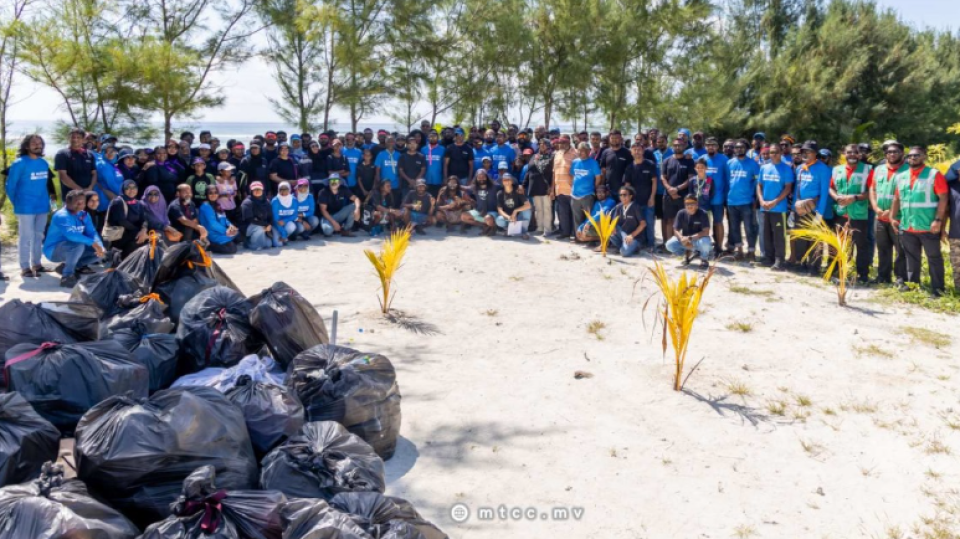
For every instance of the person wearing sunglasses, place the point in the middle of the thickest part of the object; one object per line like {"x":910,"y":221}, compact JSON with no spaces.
{"x":919,"y":209}
{"x":632,"y":224}
{"x":881,"y":192}
{"x":812,"y":201}
{"x":849,"y":191}
{"x":691,"y":233}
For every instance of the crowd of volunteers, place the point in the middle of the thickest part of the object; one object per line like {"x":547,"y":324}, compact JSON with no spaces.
{"x":712,"y":198}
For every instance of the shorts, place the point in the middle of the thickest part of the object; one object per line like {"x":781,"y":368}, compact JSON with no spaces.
{"x":716,"y":211}
{"x":671,"y":207}
{"x":418,"y":218}
{"x":479,"y":218}
{"x":658,"y":206}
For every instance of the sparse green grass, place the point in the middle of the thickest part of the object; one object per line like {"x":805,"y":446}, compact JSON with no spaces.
{"x":744,"y":531}
{"x":666,"y":461}
{"x":894,"y":532}
{"x":742,"y":327}
{"x":492,"y":312}
{"x":595,"y":327}
{"x":872,"y":350}
{"x":516,"y":278}
{"x":943,"y":377}
{"x":828,"y":411}
{"x":778,"y":408}
{"x":949,"y":303}
{"x":861,"y":407}
{"x":801,"y":415}
{"x":803,"y":400}
{"x":932,"y":474}
{"x":926,"y":336}
{"x":737,"y":387}
{"x":783,"y":389}
{"x":936,"y":447}
{"x":811,"y":448}
{"x":746,"y":291}
{"x":951,"y":419}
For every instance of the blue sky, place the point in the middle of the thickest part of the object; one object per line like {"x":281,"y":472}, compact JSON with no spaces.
{"x":246,"y":102}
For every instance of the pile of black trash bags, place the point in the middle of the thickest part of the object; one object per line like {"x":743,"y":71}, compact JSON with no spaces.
{"x":196,"y":412}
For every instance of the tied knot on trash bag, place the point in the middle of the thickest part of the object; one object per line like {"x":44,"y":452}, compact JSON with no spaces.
{"x":51,"y":477}
{"x":205,"y":260}
{"x":152,"y":237}
{"x":24,"y":357}
{"x":221,"y":318}
{"x":154,"y":297}
{"x":210,"y":505}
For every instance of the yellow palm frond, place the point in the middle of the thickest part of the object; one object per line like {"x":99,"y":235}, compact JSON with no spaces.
{"x":839,"y":242}
{"x":679,"y":308}
{"x":388,"y":261}
{"x":605,"y":228}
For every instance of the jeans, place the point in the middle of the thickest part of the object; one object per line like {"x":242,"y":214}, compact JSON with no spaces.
{"x":580,"y":208}
{"x":258,"y":239}
{"x":524,"y":216}
{"x":619,"y":241}
{"x":745,"y":215}
{"x":292,"y":227}
{"x":703,"y":246}
{"x":73,"y":255}
{"x":344,"y":217}
{"x":543,"y":208}
{"x":30,"y":241}
{"x":314,"y":222}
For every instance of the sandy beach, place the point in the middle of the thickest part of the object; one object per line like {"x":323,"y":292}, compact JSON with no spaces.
{"x":804,"y":419}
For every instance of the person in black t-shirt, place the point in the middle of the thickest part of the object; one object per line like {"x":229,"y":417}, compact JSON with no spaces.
{"x":691,"y":233}
{"x":632,"y":224}
{"x":418,"y":207}
{"x":512,"y":205}
{"x":614,"y":162}
{"x":76,"y":166}
{"x":283,"y":168}
{"x":366,"y":173}
{"x":411,"y":166}
{"x":339,"y":207}
{"x":458,"y":159}
{"x":183,"y":215}
{"x":383,"y":208}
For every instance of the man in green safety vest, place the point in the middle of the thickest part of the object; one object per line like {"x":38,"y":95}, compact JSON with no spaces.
{"x":882,"y":189}
{"x":849,"y":191}
{"x":918,"y":210}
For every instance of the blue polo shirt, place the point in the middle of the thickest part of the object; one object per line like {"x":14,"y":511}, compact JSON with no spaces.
{"x":584,"y":173}
{"x":353,"y":156}
{"x":502,"y":154}
{"x":814,"y":182}
{"x":434,"y":157}
{"x":773,"y":178}
{"x":387,"y":163}
{"x":717,"y":171}
{"x":742,"y":177}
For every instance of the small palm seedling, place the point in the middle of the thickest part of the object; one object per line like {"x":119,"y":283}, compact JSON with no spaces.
{"x":679,"y":307}
{"x":605,"y":228}
{"x":388,"y":262}
{"x":840,"y":244}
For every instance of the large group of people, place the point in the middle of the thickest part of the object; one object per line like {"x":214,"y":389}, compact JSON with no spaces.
{"x":712,"y":199}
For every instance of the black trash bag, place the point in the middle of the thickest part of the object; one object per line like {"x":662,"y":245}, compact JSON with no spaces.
{"x":144,"y":263}
{"x":63,"y":381}
{"x":52,"y":507}
{"x":315,"y":519}
{"x":273,"y":413}
{"x":204,"y":511}
{"x":214,"y":330}
{"x":320,"y":461}
{"x":355,"y":389}
{"x":37,"y":323}
{"x":180,"y":291}
{"x":148,"y":311}
{"x":26,"y":440}
{"x":287,"y":321}
{"x":136,"y":453}
{"x":104,"y":289}
{"x":182,"y":259}
{"x":158,"y":352}
{"x":385,"y":517}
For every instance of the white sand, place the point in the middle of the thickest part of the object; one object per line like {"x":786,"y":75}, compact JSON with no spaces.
{"x":492,"y":413}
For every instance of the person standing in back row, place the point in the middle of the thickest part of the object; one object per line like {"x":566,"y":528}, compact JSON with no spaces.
{"x":773,"y":189}
{"x":27,"y":190}
{"x":849,"y":189}
{"x":678,"y":171}
{"x":76,"y":166}
{"x":881,"y":198}
{"x":585,"y":172}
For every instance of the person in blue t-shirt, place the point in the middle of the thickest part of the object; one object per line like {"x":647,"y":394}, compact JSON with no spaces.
{"x":812,"y":200}
{"x":27,"y":190}
{"x":353,"y":155}
{"x":717,"y":172}
{"x":386,"y":164}
{"x":773,"y":190}
{"x":72,"y":239}
{"x":479,"y":154}
{"x":742,"y":174}
{"x":501,"y":153}
{"x":586,"y":233}
{"x":434,"y":153}
{"x":585,"y":172}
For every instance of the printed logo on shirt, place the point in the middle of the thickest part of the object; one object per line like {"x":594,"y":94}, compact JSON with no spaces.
{"x":201,"y":189}
{"x":39,"y":175}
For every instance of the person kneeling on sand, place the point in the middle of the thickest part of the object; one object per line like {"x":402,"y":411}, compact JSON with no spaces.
{"x":691,"y":233}
{"x":452,"y":202}
{"x":604,"y":204}
{"x":417,"y":207}
{"x":484,"y":213}
{"x":340,"y":209}
{"x":382,"y":207}
{"x":512,"y":205}
{"x":630,"y":226}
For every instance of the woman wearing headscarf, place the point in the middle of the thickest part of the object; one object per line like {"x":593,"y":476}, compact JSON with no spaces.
{"x":129,"y":168}
{"x":128,"y":212}
{"x":163,"y":173}
{"x":256,"y":219}
{"x":306,"y":208}
{"x":157,"y":206}
{"x":254,"y":169}
{"x":285,"y":224}
{"x":221,"y":233}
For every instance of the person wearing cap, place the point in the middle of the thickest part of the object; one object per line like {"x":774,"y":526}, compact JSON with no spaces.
{"x":296,"y":146}
{"x":283,"y":168}
{"x":881,"y":192}
{"x":458,"y":159}
{"x":270,"y":149}
{"x":523,"y":142}
{"x":109,"y":177}
{"x":826,"y":156}
{"x":183,"y":215}
{"x":200,"y":180}
{"x":229,"y":191}
{"x":678,"y":171}
{"x":812,"y":200}
{"x":614,"y":162}
{"x":384,"y":207}
{"x":127,"y":163}
{"x":386,"y":164}
{"x":586,"y":175}
{"x":773,"y":192}
{"x":418,"y":207}
{"x":691,"y":233}
{"x":306,"y":208}
{"x":237,"y":153}
{"x":953,"y":181}
{"x":759,"y":141}
{"x":849,"y":189}
{"x":381,"y":144}
{"x":256,"y":220}
{"x":698,"y":148}
{"x":339,"y":207}
{"x":538,"y":184}
{"x":919,"y":211}
{"x":75,"y":165}
{"x":484,"y":212}
{"x":205,"y":152}
{"x":512,"y":205}
{"x":864,"y":149}
{"x":353,"y":154}
{"x":222,"y":235}
{"x":786,"y":144}
{"x":452,"y":201}
{"x":603,"y":204}
{"x":286,"y":219}
{"x":222,"y":155}
{"x":563,"y":159}
{"x":742,"y":177}
{"x":434,"y":153}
